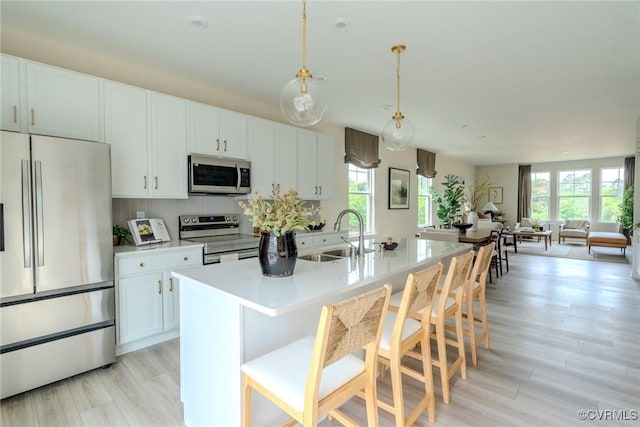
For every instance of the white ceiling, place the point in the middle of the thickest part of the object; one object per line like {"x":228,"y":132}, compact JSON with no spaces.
{"x":485,"y":82}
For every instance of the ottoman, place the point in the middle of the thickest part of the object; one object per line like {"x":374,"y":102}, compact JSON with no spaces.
{"x":608,"y":240}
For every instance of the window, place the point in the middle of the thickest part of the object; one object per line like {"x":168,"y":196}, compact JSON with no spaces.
{"x":574,"y":194}
{"x":424,"y":201}
{"x":540,"y":195}
{"x":611,"y":189}
{"x":361,"y":196}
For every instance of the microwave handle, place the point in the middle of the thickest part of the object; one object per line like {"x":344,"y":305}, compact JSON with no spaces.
{"x":238,"y":178}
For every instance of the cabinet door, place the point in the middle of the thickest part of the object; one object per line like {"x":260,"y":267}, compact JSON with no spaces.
{"x":63,"y":103}
{"x":262,"y":155}
{"x":168,"y":146}
{"x":140,"y":300}
{"x":126,"y":130}
{"x":325,"y":169}
{"x":10,"y":90}
{"x":307,"y":164}
{"x":233,"y":134}
{"x":204,"y":129}
{"x":286,"y":157}
{"x":171,"y":302}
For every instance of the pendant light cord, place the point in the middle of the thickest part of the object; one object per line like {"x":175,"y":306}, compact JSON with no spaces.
{"x":398,"y":84}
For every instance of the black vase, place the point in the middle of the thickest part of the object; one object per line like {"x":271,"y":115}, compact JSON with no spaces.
{"x":277,"y":254}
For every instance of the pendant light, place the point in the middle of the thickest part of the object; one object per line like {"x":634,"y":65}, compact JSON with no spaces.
{"x":301,"y":99}
{"x":398,"y":133}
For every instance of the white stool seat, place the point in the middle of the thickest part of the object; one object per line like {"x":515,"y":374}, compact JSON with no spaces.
{"x":411,"y":326}
{"x":447,"y":305}
{"x":284,"y":371}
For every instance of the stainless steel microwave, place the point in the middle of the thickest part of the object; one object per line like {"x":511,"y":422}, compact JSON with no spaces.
{"x":215,"y":175}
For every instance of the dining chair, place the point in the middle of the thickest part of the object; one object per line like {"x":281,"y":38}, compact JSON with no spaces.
{"x":406,"y":327}
{"x":476,"y":289}
{"x":448,"y":305}
{"x":311,"y":377}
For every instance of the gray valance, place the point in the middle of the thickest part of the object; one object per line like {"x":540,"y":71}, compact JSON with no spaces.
{"x":361,"y":149}
{"x":629,"y":171}
{"x":426,"y":164}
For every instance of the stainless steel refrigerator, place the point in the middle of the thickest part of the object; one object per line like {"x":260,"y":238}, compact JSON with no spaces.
{"x":57,"y":302}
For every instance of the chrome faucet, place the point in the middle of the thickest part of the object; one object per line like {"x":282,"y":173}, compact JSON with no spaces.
{"x":336,"y":227}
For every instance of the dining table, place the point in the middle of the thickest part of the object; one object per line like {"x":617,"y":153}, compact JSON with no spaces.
{"x":475,"y":237}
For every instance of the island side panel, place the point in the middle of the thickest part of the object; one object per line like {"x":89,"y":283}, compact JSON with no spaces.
{"x":210,"y":356}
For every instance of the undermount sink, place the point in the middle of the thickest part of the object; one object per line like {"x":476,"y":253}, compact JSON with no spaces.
{"x":320,"y":257}
{"x":342,"y":252}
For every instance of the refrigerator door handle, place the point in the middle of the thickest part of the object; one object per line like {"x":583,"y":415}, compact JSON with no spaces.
{"x":39,"y":217}
{"x":1,"y":227}
{"x":26,"y":214}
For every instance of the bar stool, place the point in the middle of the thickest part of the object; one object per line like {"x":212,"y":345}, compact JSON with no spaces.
{"x":401,"y":334}
{"x":310,"y":378}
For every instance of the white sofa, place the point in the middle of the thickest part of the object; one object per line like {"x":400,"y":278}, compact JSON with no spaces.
{"x":487,"y":224}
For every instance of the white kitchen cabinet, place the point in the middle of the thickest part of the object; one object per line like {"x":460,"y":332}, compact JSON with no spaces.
{"x":168,"y":147}
{"x":62,"y":103}
{"x":148,"y":309}
{"x":273,"y":155}
{"x":314,"y":240}
{"x":148,"y":136}
{"x":315,"y":162}
{"x":10,"y":118}
{"x":126,"y":129}
{"x":217,"y":132}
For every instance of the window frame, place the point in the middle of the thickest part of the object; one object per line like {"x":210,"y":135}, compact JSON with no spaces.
{"x":547,"y":197}
{"x":368,"y":217}
{"x":602,"y":197}
{"x":588,"y":195}
{"x":428,"y":211}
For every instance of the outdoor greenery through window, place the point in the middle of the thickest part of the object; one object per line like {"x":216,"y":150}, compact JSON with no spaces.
{"x":574,"y":194}
{"x":424,"y":201}
{"x":611,"y":189}
{"x":361,"y":197}
{"x":540,"y":195}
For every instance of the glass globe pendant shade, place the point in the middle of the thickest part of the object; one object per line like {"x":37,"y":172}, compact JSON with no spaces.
{"x":301,"y":101}
{"x":398,"y":133}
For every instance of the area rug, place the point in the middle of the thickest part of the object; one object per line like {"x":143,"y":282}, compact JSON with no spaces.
{"x":571,"y":250}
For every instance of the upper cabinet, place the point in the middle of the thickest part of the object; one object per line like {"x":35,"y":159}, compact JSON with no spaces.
{"x":217,"y":132}
{"x":315,"y":162}
{"x":273,"y":155}
{"x":148,"y":137}
{"x":10,"y":95}
{"x":58,"y":102}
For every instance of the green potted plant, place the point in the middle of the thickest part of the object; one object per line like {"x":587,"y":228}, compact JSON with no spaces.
{"x":625,"y":217}
{"x":120,"y":235}
{"x":450,"y":201}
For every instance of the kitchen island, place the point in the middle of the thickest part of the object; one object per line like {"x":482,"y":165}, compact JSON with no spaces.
{"x":230,"y":313}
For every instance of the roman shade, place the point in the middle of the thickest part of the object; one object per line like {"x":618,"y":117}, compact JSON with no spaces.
{"x":426,"y":163}
{"x":361,"y":149}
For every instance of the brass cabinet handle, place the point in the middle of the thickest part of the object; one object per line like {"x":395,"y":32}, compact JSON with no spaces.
{"x":170,"y":284}
{"x":186,"y":258}
{"x":320,"y":187}
{"x":225,"y":145}
{"x":142,"y":264}
{"x":217,"y":144}
{"x":145,"y":182}
{"x":33,"y":117}
{"x":155,"y":178}
{"x":15,"y":114}
{"x":159,"y":287}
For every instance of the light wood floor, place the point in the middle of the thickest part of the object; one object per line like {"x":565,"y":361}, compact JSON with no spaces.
{"x":565,"y":337}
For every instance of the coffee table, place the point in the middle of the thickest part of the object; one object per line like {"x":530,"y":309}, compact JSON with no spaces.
{"x":518,"y":234}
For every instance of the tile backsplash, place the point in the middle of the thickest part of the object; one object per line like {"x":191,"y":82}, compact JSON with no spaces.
{"x":169,"y":209}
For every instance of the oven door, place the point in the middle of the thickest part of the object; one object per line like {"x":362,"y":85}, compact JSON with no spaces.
{"x":215,"y":258}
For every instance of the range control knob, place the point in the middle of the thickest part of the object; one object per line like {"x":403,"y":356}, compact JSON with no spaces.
{"x":235,"y":218}
{"x":194,"y":219}
{"x":227,"y":218}
{"x":186,"y":220}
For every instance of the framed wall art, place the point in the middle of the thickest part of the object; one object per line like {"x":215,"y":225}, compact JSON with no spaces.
{"x":398,"y":188}
{"x":495,"y":194}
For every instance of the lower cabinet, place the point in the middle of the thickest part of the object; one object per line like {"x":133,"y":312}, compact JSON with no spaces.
{"x":148,"y":308}
{"x":314,"y":240}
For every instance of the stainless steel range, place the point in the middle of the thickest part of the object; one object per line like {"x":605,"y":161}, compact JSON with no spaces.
{"x":220,"y":235}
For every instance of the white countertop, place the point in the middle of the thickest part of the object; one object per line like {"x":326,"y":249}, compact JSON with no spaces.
{"x":131,"y":250}
{"x":243,"y":282}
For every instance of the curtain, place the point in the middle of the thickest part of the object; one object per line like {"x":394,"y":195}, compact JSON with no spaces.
{"x":629,"y":171}
{"x":361,"y":149}
{"x":524,"y":192}
{"x":426,"y":164}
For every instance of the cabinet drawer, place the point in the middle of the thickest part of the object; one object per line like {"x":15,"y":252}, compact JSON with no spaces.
{"x":304,"y":241}
{"x":328,"y":239}
{"x":161,"y":261}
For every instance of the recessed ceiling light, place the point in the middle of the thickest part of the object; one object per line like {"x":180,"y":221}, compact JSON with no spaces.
{"x":198,"y":23}
{"x":386,"y":106}
{"x":482,"y":136}
{"x":341,"y":24}
{"x":320,"y":78}
{"x":565,"y":152}
{"x":463,"y":126}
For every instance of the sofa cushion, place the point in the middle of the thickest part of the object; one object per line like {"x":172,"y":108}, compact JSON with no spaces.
{"x":573,"y":233}
{"x":576,"y":224}
{"x":600,"y":237}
